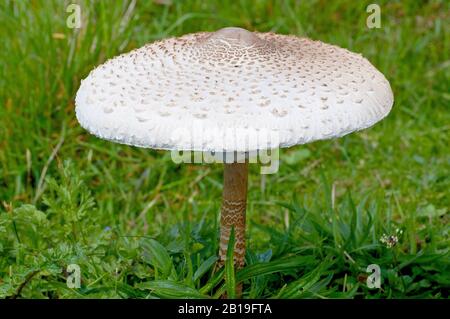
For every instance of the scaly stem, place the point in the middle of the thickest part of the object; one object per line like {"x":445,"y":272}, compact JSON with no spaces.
{"x":234,"y":203}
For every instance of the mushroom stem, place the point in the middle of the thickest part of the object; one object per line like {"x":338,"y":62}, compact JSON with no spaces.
{"x":234,"y":202}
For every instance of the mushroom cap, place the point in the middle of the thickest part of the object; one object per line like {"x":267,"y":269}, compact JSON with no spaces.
{"x":232,"y":90}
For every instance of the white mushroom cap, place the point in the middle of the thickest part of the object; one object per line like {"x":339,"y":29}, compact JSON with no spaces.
{"x":232,"y":90}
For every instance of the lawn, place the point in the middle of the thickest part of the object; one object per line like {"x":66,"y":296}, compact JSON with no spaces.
{"x":140,"y":226}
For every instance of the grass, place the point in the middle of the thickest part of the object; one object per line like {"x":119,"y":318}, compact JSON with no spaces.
{"x":140,"y":226}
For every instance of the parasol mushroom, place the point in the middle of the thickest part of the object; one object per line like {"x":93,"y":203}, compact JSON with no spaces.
{"x":237,"y":86}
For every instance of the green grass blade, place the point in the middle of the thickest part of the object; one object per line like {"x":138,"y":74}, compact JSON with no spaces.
{"x":280,"y":265}
{"x":156,"y":255}
{"x":299,"y":287}
{"x":230,"y":279}
{"x":204,"y":267}
{"x":170,"y":289}
{"x":213,"y":282}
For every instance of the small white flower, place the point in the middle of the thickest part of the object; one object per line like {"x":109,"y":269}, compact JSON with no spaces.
{"x":390,"y":241}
